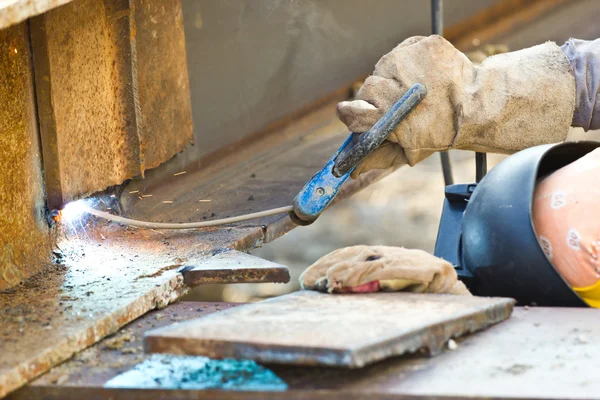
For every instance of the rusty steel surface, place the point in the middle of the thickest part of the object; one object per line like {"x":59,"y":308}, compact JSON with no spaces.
{"x":235,"y":267}
{"x":25,"y":243}
{"x":539,"y":353}
{"x":86,"y":97}
{"x":310,"y":328}
{"x":121,"y":351}
{"x":112,"y":92}
{"x":105,"y":277}
{"x":163,"y":84}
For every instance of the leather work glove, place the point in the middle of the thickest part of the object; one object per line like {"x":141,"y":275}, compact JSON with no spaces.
{"x":364,"y":269}
{"x":510,"y":102}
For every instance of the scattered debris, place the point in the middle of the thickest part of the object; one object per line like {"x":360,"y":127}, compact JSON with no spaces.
{"x":204,"y":201}
{"x":134,"y":191}
{"x":251,"y":197}
{"x":180,"y":173}
{"x":167,"y":201}
{"x":452,"y":345}
{"x":159,"y":316}
{"x":130,"y":350}
{"x":146,"y":195}
{"x":118,"y":342}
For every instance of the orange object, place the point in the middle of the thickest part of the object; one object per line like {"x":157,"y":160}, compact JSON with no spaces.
{"x":566,"y":219}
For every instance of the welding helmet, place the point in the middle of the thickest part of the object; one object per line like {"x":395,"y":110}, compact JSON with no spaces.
{"x":496,"y":251}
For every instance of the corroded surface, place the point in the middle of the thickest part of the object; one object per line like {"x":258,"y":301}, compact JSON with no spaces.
{"x":106,"y":276}
{"x":310,"y":328}
{"x":112,"y":92}
{"x":539,"y":353}
{"x":163,"y":84}
{"x":86,"y":97}
{"x":235,"y":267}
{"x":25,"y":243}
{"x":14,"y":11}
{"x":123,"y":350}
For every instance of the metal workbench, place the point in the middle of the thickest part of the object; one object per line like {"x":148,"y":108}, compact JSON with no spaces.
{"x":539,"y":353}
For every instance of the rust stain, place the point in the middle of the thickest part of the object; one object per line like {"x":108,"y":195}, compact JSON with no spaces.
{"x":162,"y":80}
{"x":25,"y":242}
{"x":160,"y":271}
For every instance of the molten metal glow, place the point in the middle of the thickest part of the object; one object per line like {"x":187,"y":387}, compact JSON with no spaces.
{"x":74,"y":210}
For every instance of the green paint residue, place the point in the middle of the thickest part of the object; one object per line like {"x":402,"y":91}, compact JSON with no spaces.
{"x":197,"y":373}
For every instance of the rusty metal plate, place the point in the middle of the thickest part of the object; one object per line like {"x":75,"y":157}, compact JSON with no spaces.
{"x":25,"y":244}
{"x":235,"y":267}
{"x":310,"y":328}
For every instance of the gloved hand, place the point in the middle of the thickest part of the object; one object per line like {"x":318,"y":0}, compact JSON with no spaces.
{"x":364,"y":269}
{"x":510,"y":102}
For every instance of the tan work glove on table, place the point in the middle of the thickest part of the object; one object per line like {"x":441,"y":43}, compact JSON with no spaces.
{"x":363,"y":269}
{"x":508,"y":103}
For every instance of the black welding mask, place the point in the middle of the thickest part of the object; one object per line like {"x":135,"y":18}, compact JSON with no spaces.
{"x":487,"y":232}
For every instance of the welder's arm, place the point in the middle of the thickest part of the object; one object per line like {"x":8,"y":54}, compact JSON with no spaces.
{"x":510,"y":102}
{"x":365,"y":269}
{"x":584,"y":57}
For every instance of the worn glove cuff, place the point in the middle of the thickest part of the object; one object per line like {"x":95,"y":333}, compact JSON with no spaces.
{"x":584,"y":57}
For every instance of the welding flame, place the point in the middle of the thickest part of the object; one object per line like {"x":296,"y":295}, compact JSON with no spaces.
{"x":74,"y":210}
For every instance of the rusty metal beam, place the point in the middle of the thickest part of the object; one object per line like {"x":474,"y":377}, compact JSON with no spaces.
{"x":88,"y":104}
{"x":162,"y":81}
{"x":112,"y":92}
{"x":25,"y":242}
